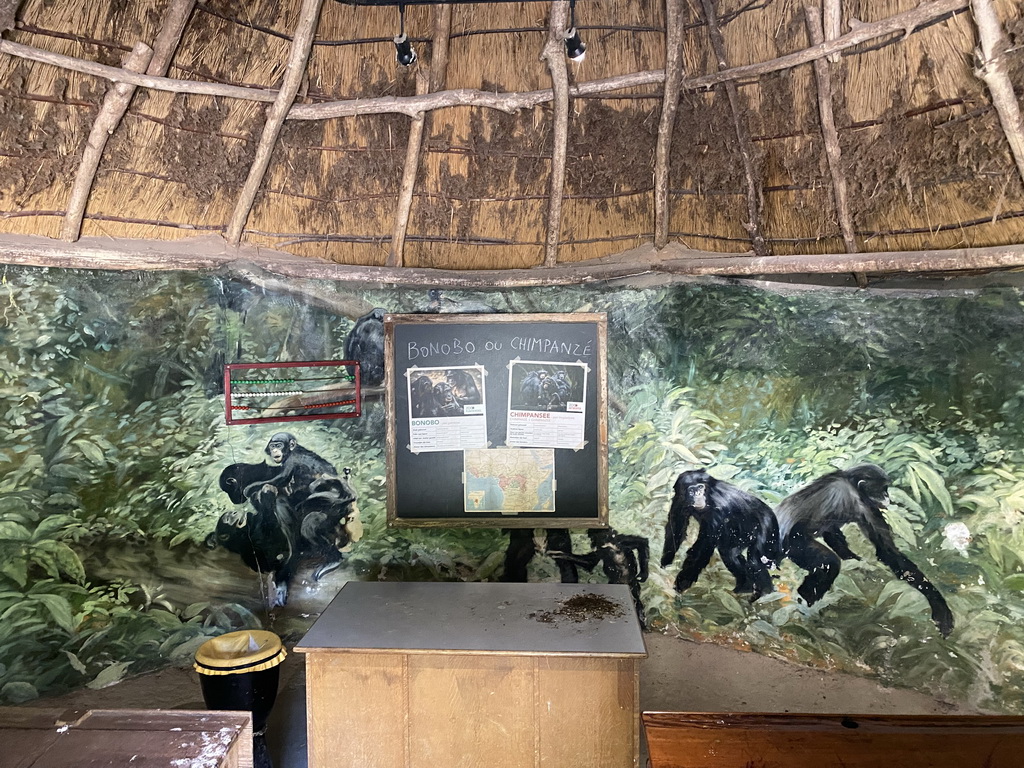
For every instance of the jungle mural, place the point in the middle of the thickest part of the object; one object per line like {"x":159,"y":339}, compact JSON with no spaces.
{"x":852,"y":464}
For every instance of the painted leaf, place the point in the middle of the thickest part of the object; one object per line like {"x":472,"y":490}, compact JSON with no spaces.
{"x":19,"y":692}
{"x":936,"y":485}
{"x":109,"y":675}
{"x":59,"y":609}
{"x":13,"y":532}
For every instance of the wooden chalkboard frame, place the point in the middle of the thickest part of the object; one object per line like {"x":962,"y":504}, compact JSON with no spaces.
{"x":422,"y":485}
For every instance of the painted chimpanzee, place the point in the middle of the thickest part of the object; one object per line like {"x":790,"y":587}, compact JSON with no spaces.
{"x":623,"y":557}
{"x":365,"y":345}
{"x":742,"y":528}
{"x":330,"y":522}
{"x":821,"y":509}
{"x":523,"y":545}
{"x":299,"y":509}
{"x":264,"y":534}
{"x":299,"y":468}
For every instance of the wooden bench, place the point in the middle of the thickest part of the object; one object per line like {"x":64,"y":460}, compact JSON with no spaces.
{"x":756,"y":740}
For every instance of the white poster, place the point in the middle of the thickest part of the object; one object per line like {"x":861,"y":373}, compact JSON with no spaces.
{"x":546,"y":404}
{"x":447,"y":410}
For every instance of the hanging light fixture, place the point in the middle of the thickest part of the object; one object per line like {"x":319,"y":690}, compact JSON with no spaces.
{"x":403,"y":48}
{"x":575,"y":48}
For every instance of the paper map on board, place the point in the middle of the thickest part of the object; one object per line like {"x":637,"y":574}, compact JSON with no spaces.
{"x":510,"y":480}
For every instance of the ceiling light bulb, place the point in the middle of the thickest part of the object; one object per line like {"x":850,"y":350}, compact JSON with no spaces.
{"x":575,"y":48}
{"x":403,"y":50}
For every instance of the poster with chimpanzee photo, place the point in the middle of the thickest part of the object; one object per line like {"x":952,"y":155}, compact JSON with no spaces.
{"x":447,"y":409}
{"x":496,"y":420}
{"x":545,"y":404}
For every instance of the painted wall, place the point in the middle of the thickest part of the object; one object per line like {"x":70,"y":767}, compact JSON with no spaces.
{"x":113,"y":441}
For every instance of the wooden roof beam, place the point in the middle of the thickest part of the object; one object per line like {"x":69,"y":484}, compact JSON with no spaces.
{"x":755,"y":201}
{"x":830,"y":135}
{"x":211,"y":252}
{"x":437,"y":79}
{"x":153,"y":61}
{"x":992,"y":70}
{"x":667,"y":125}
{"x":108,"y":118}
{"x":302,"y":43}
{"x":505,"y":102}
{"x":554,"y":55}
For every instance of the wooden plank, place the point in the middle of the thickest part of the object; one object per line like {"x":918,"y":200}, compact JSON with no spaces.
{"x":198,"y":720}
{"x":587,"y":712}
{"x":356,"y":710}
{"x":713,"y":740}
{"x":471,"y":711}
{"x":21,"y":746}
{"x":58,"y":738}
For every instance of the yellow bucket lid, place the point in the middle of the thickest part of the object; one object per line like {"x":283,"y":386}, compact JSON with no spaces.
{"x":248,"y":650}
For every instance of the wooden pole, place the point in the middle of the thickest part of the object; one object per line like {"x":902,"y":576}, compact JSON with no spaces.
{"x":833,"y":24}
{"x":669,"y":108}
{"x":992,"y":69}
{"x":302,"y":42}
{"x":156,"y":62}
{"x":115,"y":104}
{"x":437,"y":79}
{"x":172,"y":26}
{"x":554,"y":55}
{"x":833,"y":152}
{"x":673,"y":261}
{"x":746,"y":145}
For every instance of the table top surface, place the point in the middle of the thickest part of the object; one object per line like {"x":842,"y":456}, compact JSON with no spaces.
{"x":540,"y":619}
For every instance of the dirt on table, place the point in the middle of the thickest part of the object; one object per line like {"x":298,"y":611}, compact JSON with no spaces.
{"x":579,"y":608}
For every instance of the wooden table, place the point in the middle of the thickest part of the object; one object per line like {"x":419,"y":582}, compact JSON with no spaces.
{"x":32,"y":737}
{"x":459,"y":675}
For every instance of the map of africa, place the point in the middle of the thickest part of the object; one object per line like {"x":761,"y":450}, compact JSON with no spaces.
{"x":510,"y":480}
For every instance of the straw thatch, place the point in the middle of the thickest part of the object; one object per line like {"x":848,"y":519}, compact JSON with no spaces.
{"x":785,"y":141}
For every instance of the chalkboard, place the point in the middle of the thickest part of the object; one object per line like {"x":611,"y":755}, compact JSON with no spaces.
{"x":496,"y":420}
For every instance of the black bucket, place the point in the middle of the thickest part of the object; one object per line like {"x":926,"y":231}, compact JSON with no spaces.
{"x":240,"y":671}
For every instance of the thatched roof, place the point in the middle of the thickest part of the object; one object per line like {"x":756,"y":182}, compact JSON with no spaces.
{"x":864,"y":136}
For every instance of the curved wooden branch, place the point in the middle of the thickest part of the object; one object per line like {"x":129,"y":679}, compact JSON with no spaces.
{"x":424,"y":84}
{"x":830,"y":135}
{"x":115,"y":104}
{"x":755,"y":185}
{"x":992,"y":69}
{"x":119,"y":75}
{"x":669,"y":108}
{"x":554,"y":55}
{"x":302,"y":43}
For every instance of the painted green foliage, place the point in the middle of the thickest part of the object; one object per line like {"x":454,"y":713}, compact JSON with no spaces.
{"x":112,"y":439}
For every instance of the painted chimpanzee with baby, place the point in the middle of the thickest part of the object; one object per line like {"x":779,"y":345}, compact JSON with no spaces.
{"x":299,"y":509}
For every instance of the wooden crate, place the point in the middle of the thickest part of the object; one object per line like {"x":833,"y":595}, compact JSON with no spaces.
{"x":471,"y":675}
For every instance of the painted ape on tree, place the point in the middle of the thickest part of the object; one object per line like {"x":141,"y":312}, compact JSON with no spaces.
{"x":523,"y":544}
{"x":821,"y":509}
{"x":624,"y":559}
{"x":365,"y":345}
{"x":742,"y":528}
